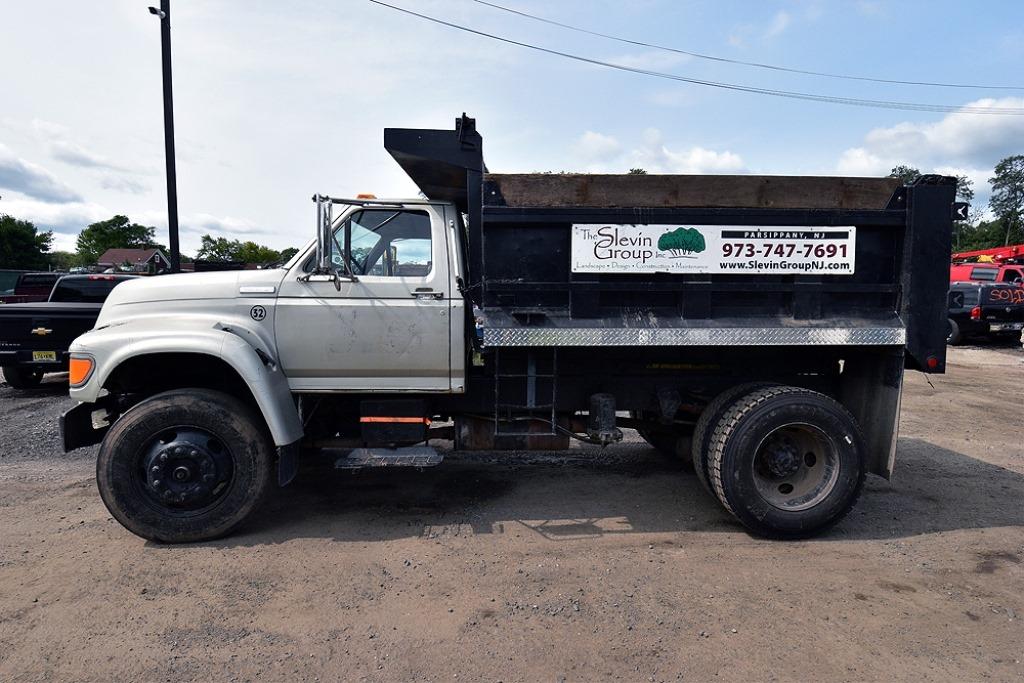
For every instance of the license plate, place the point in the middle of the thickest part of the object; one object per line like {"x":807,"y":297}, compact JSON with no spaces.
{"x":719,"y":249}
{"x":44,"y":356}
{"x":1005,"y":327}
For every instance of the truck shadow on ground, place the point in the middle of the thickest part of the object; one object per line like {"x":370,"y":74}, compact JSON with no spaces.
{"x":626,"y":489}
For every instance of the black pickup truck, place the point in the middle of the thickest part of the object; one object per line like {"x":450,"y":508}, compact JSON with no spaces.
{"x":34,"y":337}
{"x":978,"y":309}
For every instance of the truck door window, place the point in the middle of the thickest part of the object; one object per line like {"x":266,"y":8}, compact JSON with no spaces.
{"x":389,"y":243}
{"x":1011,"y":275}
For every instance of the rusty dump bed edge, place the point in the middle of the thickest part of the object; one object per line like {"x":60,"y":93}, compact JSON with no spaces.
{"x":564,"y":190}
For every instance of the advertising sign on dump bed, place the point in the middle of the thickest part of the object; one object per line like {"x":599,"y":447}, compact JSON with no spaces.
{"x":735,"y":249}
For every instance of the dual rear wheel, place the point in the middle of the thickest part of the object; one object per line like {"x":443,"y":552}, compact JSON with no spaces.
{"x":787,"y":462}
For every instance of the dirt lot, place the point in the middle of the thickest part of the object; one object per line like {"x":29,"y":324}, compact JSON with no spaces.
{"x":585,"y":566}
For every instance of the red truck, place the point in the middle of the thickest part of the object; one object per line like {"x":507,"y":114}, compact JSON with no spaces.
{"x":31,"y":287}
{"x":999,"y":264}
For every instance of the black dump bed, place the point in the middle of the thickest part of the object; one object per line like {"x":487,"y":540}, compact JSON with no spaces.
{"x":626,"y":260}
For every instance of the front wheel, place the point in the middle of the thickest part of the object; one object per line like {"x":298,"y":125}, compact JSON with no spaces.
{"x":787,"y":462}
{"x":21,"y":377}
{"x":185,"y":465}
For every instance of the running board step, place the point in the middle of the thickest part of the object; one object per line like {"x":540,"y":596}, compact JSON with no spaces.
{"x":411,"y":456}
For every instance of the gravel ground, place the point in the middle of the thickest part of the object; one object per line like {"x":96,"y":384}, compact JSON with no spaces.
{"x":582,"y":566}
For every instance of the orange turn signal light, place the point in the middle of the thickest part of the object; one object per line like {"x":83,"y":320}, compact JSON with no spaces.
{"x":79,"y":370}
{"x":366,"y":195}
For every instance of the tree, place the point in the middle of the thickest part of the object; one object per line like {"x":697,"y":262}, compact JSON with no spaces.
{"x":215,"y":249}
{"x":1007,"y":201}
{"x":637,"y":171}
{"x":286,"y":254}
{"x":682,"y":241}
{"x":962,"y":229}
{"x":114,"y":233}
{"x":22,"y":246}
{"x":907,"y":174}
{"x":223,"y":249}
{"x":62,"y":260}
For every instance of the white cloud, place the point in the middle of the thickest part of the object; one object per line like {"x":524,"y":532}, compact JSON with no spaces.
{"x":779,"y":23}
{"x":605,"y":154}
{"x":236,"y":228}
{"x":123,"y":184}
{"x":655,"y":156}
{"x":68,"y":217}
{"x":776,"y":26}
{"x":594,"y":147}
{"x":972,"y":140}
{"x":32,"y":180}
{"x":76,"y":155}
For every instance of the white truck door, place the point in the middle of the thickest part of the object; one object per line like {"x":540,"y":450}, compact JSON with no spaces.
{"x":387,"y":331}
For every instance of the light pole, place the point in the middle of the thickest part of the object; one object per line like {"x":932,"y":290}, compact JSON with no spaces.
{"x":172,"y":181}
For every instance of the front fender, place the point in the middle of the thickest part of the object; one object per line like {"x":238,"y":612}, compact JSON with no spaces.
{"x":111,"y":346}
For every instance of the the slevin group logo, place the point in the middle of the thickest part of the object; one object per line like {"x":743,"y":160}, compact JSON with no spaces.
{"x":801,"y":250}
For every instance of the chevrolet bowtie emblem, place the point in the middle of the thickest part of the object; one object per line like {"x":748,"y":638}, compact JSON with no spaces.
{"x":42,"y":331}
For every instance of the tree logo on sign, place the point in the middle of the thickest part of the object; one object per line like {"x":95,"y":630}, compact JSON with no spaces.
{"x":682,"y":242}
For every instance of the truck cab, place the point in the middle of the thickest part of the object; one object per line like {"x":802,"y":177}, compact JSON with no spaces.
{"x":754,"y":327}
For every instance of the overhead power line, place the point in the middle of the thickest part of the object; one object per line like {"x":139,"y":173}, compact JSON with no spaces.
{"x":852,"y":101}
{"x":759,"y":65}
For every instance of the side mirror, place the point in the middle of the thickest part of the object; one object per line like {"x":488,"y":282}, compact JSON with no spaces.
{"x":324,"y":220}
{"x":325,"y":259}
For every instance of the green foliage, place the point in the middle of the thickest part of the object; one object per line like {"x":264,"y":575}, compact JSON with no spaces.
{"x":637,"y":171}
{"x":1007,"y":201}
{"x":682,"y":241}
{"x":223,"y":249}
{"x":984,"y":235}
{"x":63,"y":260}
{"x":114,"y":233}
{"x":22,"y":246}
{"x":286,"y":254}
{"x":907,"y":174}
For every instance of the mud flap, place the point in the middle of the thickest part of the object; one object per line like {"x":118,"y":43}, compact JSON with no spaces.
{"x":76,"y":430}
{"x":287,"y":463}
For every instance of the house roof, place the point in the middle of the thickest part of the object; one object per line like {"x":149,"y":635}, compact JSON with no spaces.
{"x":115,"y":257}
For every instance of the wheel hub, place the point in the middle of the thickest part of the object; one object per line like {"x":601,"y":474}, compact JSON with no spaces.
{"x":782,"y":458}
{"x":185,"y":471}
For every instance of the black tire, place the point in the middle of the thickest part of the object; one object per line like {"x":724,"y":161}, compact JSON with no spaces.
{"x":814,"y":435}
{"x":22,"y":378}
{"x":954,"y":336}
{"x":706,"y":424}
{"x":238,"y":456}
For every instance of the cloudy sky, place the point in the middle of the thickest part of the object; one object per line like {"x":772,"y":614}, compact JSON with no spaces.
{"x":276,"y":100}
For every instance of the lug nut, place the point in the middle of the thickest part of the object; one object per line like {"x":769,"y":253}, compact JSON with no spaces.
{"x":163,"y":457}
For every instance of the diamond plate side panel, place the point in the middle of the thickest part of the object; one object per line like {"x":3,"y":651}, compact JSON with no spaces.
{"x":721,"y":336}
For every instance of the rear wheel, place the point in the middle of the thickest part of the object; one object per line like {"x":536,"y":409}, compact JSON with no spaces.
{"x":709,"y":420}
{"x":787,"y":462}
{"x":185,"y":465}
{"x":21,"y":377}
{"x":953,"y":334}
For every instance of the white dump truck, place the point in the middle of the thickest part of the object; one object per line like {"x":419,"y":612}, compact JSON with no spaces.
{"x":757,"y":327}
